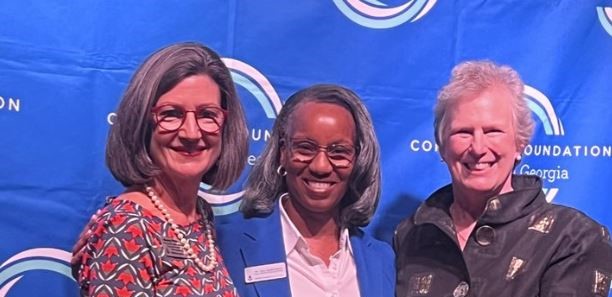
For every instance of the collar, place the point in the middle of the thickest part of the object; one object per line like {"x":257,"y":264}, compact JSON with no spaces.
{"x":526,"y":197}
{"x":293,"y":239}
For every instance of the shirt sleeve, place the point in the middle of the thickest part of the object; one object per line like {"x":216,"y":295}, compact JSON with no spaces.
{"x":118,"y":259}
{"x":582,"y":265}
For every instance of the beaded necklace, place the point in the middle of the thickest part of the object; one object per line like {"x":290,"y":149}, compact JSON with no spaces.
{"x":187,"y":249}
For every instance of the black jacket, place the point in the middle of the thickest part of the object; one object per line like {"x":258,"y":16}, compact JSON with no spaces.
{"x":521,"y":246}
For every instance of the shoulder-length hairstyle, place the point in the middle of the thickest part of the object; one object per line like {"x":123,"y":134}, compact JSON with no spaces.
{"x":127,"y":150}
{"x":474,"y":77}
{"x":264,"y":185}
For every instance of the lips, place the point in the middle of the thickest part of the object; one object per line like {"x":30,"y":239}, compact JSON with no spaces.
{"x":478,"y":166}
{"x":189,"y":151}
{"x":319,"y":186}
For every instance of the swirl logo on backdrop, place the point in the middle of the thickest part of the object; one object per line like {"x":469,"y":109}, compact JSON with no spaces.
{"x":10,"y":104}
{"x":552,"y":126}
{"x":542,"y":108}
{"x":605,"y":18}
{"x":553,"y":129}
{"x":49,"y":259}
{"x":377,"y":15}
{"x":257,"y":86}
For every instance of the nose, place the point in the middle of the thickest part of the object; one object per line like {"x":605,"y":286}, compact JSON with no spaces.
{"x":320,"y":164}
{"x":190,"y":128}
{"x":478,"y":145}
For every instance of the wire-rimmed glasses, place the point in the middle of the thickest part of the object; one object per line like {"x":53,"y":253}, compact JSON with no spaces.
{"x":340,"y":155}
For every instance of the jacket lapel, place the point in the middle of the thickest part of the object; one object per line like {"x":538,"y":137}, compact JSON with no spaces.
{"x":368,"y":276}
{"x":262,"y":244}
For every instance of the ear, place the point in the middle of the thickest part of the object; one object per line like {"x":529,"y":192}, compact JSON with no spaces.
{"x":442,"y":154}
{"x":519,"y":152}
{"x":518,"y":155}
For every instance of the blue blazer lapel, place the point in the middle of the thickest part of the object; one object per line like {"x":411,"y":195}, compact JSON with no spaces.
{"x":368,"y":274}
{"x":262,"y":243}
{"x":375,"y":265}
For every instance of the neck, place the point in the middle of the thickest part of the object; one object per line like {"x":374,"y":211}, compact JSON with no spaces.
{"x":472,"y":206}
{"x":320,"y":230}
{"x":462,"y":215}
{"x":464,"y":221}
{"x":310,"y":224}
{"x":180,"y":197}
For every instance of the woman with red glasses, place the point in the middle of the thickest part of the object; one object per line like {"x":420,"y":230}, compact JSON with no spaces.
{"x":315,"y":185}
{"x":179,"y":123}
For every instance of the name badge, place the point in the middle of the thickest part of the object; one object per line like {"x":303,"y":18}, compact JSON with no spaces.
{"x":173,"y":248}
{"x":265,"y":272}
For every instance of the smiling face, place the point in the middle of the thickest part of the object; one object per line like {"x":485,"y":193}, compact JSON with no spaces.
{"x":317,"y":186}
{"x":480,"y":145}
{"x":187,"y":153}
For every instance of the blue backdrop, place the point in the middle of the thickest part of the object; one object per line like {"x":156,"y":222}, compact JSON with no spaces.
{"x":64,"y":65}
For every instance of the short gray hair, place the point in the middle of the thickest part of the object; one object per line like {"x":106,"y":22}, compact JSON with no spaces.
{"x":127,"y":147}
{"x":474,"y":77}
{"x":264,"y":185}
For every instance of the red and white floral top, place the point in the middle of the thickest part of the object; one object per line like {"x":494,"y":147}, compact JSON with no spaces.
{"x":129,"y":254}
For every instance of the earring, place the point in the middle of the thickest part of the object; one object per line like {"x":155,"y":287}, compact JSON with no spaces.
{"x":518,"y":158}
{"x":283,"y":195}
{"x":281,"y":171}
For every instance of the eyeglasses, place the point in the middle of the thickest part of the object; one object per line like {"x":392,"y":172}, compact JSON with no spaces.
{"x":171,"y":117}
{"x":340,"y":155}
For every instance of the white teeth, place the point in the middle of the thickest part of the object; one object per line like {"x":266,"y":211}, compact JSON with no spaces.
{"x":479,"y":166}
{"x":319,"y":185}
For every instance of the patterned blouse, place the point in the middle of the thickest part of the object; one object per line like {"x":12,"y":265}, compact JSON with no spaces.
{"x":130,"y":254}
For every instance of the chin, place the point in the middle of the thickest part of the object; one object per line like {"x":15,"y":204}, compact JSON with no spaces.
{"x":319,"y":205}
{"x":187,"y":174}
{"x":472,"y":185}
{"x":320,"y":210}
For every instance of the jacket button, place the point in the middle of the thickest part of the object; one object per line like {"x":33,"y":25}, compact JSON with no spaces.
{"x":461,"y":290}
{"x":494,"y":205}
{"x":485,"y":235}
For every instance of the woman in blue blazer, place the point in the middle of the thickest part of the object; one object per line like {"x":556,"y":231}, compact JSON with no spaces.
{"x":315,"y":185}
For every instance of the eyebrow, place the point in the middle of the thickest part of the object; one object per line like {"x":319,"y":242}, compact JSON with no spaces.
{"x":183,"y":107}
